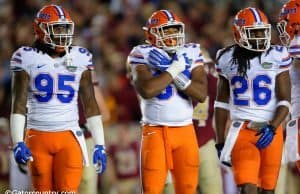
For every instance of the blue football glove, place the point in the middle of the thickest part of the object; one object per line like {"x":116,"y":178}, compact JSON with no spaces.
{"x":266,"y":136}
{"x":22,"y":153}
{"x":219,"y":147}
{"x":99,"y":158}
{"x":158,"y":60}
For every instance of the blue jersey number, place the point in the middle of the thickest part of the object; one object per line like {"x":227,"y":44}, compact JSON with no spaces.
{"x":166,"y":93}
{"x":261,"y":91}
{"x":44,"y":83}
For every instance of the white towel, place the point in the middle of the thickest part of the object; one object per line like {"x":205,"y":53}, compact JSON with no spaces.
{"x":291,"y":142}
{"x":78,"y":133}
{"x":232,"y":135}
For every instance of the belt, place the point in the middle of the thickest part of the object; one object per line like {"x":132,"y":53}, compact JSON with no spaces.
{"x":256,"y":126}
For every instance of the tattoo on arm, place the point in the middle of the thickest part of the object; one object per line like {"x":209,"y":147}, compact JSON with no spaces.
{"x":87,"y":95}
{"x":20,"y":84}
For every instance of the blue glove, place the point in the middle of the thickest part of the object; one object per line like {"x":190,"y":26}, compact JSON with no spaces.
{"x":22,"y":153}
{"x":219,"y":147}
{"x":159,"y":60}
{"x":267,"y":134}
{"x":99,"y":158}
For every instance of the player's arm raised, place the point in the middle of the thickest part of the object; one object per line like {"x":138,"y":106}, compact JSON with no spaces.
{"x":196,"y":87}
{"x":148,"y":85}
{"x":94,"y":120}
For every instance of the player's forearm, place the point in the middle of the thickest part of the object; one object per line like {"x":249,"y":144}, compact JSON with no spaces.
{"x":280,"y":114}
{"x":19,"y":100}
{"x":197,"y":90}
{"x":155,"y":85}
{"x":283,"y":94}
{"x":90,"y":107}
{"x":95,"y":125}
{"x":221,"y":117}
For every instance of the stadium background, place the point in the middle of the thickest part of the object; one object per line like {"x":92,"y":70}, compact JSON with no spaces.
{"x":109,"y":29}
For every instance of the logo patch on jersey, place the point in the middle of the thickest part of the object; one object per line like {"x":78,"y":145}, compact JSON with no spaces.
{"x":40,"y":66}
{"x":236,"y":124}
{"x":233,"y":67}
{"x":79,"y":133}
{"x":267,"y":65}
{"x":292,"y":123}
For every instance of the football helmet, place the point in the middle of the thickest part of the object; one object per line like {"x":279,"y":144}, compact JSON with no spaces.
{"x":289,"y":21}
{"x":252,"y":30}
{"x":54,"y":27}
{"x":155,"y":30}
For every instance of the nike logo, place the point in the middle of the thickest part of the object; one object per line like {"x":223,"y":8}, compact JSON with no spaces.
{"x":39,"y":66}
{"x":150,"y":133}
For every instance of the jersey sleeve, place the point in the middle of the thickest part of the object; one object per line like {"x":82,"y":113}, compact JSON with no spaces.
{"x":85,"y":57}
{"x":136,"y":57}
{"x":283,"y":59}
{"x":19,"y":60}
{"x":198,"y":57}
{"x":221,"y":64}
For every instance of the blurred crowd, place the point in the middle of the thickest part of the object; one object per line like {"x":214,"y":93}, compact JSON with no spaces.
{"x":109,"y":29}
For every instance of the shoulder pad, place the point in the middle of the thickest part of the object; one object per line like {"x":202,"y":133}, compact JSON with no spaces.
{"x":84,"y":56}
{"x":281,"y":56}
{"x":138,"y":54}
{"x":21,"y":58}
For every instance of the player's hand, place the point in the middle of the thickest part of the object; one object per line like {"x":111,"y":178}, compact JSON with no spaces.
{"x":159,"y":60}
{"x":99,"y":158}
{"x":266,"y":136}
{"x":22,"y":153}
{"x":178,"y":65}
{"x":219,"y":147}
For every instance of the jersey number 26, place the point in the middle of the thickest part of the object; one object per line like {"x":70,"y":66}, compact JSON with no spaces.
{"x":259,"y":86}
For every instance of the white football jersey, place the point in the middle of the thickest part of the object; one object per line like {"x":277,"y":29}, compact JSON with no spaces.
{"x":294,"y":50}
{"x":253,"y":97}
{"x":53,"y":89}
{"x":171,"y":107}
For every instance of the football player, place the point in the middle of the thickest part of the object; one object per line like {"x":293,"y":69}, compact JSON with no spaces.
{"x":167,"y":73}
{"x":48,"y":77}
{"x":289,"y":34}
{"x":254,"y":88}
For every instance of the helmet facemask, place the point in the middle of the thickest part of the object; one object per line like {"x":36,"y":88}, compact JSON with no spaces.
{"x":174,"y":40}
{"x":251,"y":41}
{"x":58,"y":34}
